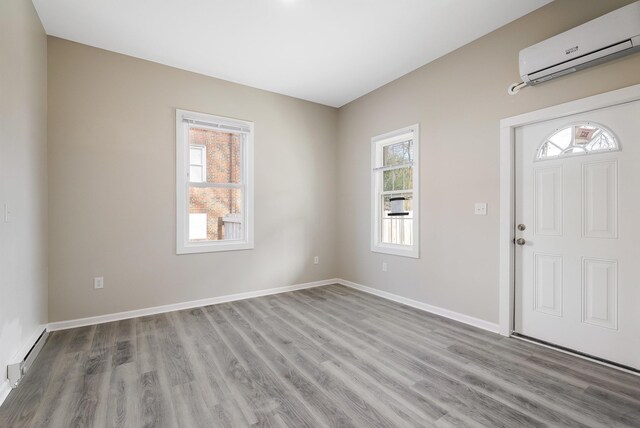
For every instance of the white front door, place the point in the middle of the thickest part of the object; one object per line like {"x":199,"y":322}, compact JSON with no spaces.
{"x":578,"y":258}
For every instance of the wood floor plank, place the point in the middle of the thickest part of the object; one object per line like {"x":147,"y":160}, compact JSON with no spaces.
{"x":441,"y":362}
{"x":390,"y":407}
{"x":174,"y":355}
{"x":327,"y":356}
{"x":290,"y":336}
{"x":82,"y":339}
{"x":155,"y":402}
{"x":259,"y":406}
{"x":290,"y":407}
{"x":413,"y":357}
{"x":546,"y":384}
{"x":378,"y":375}
{"x":334,"y":386}
{"x":122,"y":401}
{"x":104,"y":336}
{"x":583,"y":366}
{"x":66,"y":369}
{"x":630,"y":392}
{"x":192,"y":409}
{"x":206,"y":367}
{"x":455,"y":421}
{"x":85,"y":400}
{"x":315,"y":399}
{"x":389,"y":352}
{"x":147,"y":356}
{"x":123,"y":353}
{"x":153,"y":406}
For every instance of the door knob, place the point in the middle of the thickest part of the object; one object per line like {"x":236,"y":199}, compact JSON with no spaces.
{"x":520,"y":241}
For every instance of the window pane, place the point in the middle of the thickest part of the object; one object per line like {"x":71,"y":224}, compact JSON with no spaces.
{"x":397,"y":154}
{"x":403,"y":179}
{"x":397,"y":179}
{"x":549,"y":150}
{"x":562,"y":139}
{"x":397,"y":229}
{"x":195,"y":156}
{"x":601,"y":141}
{"x":223,"y":209}
{"x":388,"y":179}
{"x":197,"y":226}
{"x":386,"y":202}
{"x":223,"y":152}
{"x":408,"y":178}
{"x":195,"y":174}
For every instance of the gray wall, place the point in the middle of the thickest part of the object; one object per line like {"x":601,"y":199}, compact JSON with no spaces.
{"x":112,"y":185}
{"x":23,"y":175}
{"x":458,"y":101}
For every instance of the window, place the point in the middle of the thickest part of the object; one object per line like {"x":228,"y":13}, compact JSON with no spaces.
{"x":578,"y":139}
{"x":214,"y":183}
{"x":394,"y":193}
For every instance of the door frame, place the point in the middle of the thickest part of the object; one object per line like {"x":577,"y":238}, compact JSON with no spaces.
{"x":507,"y":184}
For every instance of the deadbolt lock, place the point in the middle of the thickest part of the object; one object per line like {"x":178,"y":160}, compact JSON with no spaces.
{"x":521,"y":227}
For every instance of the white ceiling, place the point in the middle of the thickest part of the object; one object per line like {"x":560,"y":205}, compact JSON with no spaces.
{"x":327,"y":51}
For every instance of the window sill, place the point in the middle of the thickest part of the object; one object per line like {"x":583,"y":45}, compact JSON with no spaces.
{"x":209,"y":247}
{"x":396,"y":250}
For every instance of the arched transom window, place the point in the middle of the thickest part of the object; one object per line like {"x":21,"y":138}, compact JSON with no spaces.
{"x":578,"y":139}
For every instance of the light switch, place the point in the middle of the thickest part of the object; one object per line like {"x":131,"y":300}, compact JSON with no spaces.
{"x":480,"y":208}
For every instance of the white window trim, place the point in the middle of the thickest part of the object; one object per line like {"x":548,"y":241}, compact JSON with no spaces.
{"x":377,"y":246}
{"x":183,"y":246}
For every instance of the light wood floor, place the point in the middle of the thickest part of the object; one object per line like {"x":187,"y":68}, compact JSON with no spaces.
{"x":327,"y":356}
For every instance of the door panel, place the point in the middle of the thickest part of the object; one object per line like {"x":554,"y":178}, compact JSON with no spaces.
{"x":548,"y":200}
{"x":547,"y":284}
{"x":578,"y":272}
{"x":600,"y":199}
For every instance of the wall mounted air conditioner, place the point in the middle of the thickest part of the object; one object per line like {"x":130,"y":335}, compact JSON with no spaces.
{"x":610,"y":36}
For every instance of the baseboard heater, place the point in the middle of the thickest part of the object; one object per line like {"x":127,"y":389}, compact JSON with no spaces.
{"x":16,"y":371}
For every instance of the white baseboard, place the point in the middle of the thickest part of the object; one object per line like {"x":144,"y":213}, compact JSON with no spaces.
{"x":476,"y":322}
{"x":81,"y":322}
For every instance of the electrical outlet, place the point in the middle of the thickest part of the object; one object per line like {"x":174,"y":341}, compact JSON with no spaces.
{"x":384,"y":266}
{"x":316,"y":260}
{"x":480,"y":208}
{"x":98,"y":282}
